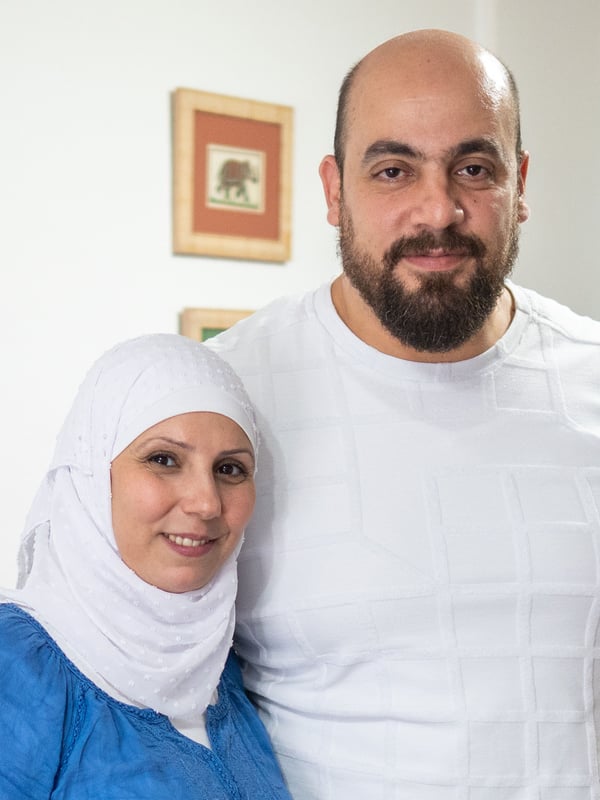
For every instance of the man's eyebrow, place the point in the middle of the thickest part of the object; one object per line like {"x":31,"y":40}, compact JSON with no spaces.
{"x":393,"y":147}
{"x":390,"y":147}
{"x":481,"y":145}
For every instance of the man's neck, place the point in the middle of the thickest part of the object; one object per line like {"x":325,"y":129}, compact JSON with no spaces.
{"x":361,"y":320}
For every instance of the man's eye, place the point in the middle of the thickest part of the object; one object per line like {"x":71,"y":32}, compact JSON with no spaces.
{"x":391,"y":172}
{"x":474,"y":171}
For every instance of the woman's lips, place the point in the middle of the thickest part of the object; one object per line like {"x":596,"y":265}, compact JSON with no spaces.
{"x":186,"y":541}
{"x":188,"y":544}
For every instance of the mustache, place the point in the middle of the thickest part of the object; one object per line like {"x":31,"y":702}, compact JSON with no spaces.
{"x":422,"y":245}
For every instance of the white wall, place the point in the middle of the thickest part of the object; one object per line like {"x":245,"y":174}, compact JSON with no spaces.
{"x":552,"y":46}
{"x":85,"y":166}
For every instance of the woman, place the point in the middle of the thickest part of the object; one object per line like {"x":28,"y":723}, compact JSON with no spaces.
{"x":116,"y":679}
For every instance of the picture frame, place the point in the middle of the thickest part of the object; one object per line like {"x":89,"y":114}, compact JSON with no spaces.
{"x":232,"y":176}
{"x":204,"y":323}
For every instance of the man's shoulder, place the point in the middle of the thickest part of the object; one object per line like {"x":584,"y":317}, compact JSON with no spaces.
{"x":269,"y":320}
{"x":284,"y":326}
{"x":565,"y":322}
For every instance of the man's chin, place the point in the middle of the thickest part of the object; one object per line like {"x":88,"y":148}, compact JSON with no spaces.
{"x":412,"y":283}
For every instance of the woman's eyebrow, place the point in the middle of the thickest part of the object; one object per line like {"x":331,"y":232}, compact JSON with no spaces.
{"x":158,"y":440}
{"x":169,"y":441}
{"x":238,"y":450}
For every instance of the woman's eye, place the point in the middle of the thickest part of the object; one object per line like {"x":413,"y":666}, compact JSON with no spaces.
{"x":162,"y":459}
{"x":232,"y":470}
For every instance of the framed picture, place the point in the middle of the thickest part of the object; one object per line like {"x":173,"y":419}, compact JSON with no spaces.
{"x":232,"y":172}
{"x":203,"y":323}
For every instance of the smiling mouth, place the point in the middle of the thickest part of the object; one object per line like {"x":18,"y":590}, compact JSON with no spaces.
{"x":436,"y":260}
{"x":185,"y":541}
{"x":436,"y":253}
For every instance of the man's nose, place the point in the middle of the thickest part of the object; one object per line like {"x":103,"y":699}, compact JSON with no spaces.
{"x":436,"y":205}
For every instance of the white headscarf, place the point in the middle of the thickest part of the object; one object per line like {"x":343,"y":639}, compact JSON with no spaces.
{"x":145,"y":646}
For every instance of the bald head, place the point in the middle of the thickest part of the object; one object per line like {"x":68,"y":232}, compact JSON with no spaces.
{"x":420,"y":60}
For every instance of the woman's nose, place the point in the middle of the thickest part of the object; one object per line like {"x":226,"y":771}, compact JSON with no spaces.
{"x":201,"y":496}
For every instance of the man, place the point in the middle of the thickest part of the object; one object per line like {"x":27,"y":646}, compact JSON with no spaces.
{"x":419,"y":591}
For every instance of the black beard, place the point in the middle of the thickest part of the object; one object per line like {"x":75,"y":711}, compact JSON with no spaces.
{"x":438,"y":316}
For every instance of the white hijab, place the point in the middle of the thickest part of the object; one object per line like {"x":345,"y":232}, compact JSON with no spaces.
{"x":144,"y":646}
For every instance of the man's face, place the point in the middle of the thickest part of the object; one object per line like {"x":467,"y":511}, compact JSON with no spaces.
{"x":429,"y":208}
{"x":440,"y":313}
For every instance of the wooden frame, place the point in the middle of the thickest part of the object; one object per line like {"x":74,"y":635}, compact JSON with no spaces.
{"x":203,"y":323}
{"x":232,"y":173}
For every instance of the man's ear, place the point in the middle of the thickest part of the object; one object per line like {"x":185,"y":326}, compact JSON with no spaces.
{"x":523,"y":209}
{"x":332,"y":186}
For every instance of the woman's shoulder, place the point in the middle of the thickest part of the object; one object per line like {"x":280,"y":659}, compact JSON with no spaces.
{"x":22,"y":635}
{"x":31,"y":655}
{"x":34,"y":696}
{"x":31,"y":663}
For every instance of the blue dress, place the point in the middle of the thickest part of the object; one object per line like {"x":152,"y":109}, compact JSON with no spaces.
{"x":62,"y":737}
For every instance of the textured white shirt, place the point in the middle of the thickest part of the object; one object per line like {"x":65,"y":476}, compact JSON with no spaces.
{"x":419,"y":589}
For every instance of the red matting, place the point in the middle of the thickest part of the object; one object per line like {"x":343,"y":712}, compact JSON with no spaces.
{"x":248,"y":134}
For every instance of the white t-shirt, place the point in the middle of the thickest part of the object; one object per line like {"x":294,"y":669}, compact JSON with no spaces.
{"x":420,"y":586}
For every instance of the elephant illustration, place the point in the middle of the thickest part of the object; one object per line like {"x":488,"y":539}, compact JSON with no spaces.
{"x":234,"y":174}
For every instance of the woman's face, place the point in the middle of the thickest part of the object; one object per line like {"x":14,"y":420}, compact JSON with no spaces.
{"x":182,"y":493}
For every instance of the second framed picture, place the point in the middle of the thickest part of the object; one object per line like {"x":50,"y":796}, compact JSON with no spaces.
{"x":204,"y":323}
{"x":231,"y":177}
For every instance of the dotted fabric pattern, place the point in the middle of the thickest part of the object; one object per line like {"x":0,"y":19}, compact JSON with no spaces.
{"x":145,"y":646}
{"x":137,"y":375}
{"x":419,"y":598}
